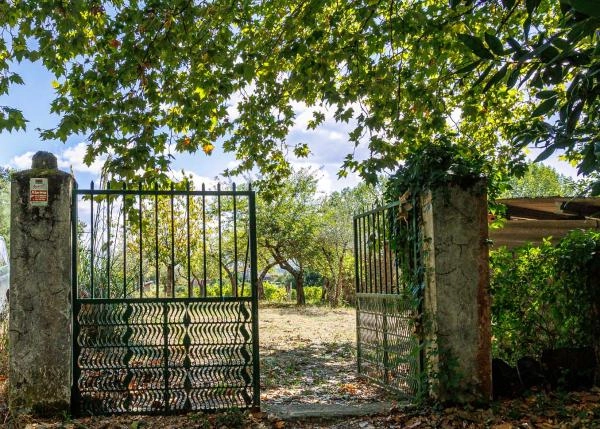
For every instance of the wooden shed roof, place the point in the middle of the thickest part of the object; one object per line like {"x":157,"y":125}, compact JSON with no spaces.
{"x":530,"y":220}
{"x":552,"y":208}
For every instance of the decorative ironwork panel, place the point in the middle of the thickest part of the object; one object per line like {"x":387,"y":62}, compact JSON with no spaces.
{"x":388,"y":348}
{"x":163,"y":356}
{"x":389,"y":280}
{"x":165,"y":308}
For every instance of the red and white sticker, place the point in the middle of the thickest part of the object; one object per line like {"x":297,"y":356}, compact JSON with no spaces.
{"x":38,"y":192}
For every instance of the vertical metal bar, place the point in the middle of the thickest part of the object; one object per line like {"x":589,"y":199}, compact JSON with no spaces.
{"x":172,"y":273}
{"x":92,"y":239}
{"x":156,"y":270}
{"x":108,"y":244}
{"x":386,"y":358}
{"x":74,"y":227}
{"x":128,"y":354}
{"x":141,"y":273}
{"x":204,"y":238}
{"x":187,"y":364}
{"x":369,"y":254}
{"x":356,"y":254}
{"x":75,"y":297}
{"x":124,"y":244}
{"x":386,"y":246}
{"x":220,"y":240}
{"x":365,"y":239}
{"x":254,"y":286}
{"x":235,"y":247}
{"x":187,"y":222}
{"x":357,"y":286}
{"x":166,"y":395}
{"x":399,"y":252}
{"x":376,"y":218}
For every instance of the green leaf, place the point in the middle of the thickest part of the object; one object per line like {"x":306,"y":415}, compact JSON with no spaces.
{"x":544,"y":107}
{"x":546,"y":94}
{"x":545,"y":154}
{"x":483,"y":75}
{"x":587,"y":7}
{"x":508,"y":4}
{"x":531,"y":5}
{"x":476,"y":45}
{"x":494,"y":43}
{"x":517,"y":48}
{"x":512,"y":78}
{"x":497,"y":77}
{"x":469,"y":67}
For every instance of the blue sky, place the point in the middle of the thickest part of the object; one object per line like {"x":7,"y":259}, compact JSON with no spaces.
{"x":328,"y":144}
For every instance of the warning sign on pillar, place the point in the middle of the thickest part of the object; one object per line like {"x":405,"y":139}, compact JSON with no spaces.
{"x":38,"y":192}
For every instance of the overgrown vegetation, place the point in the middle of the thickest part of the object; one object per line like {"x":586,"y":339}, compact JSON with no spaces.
{"x":544,"y":297}
{"x":495,"y":76}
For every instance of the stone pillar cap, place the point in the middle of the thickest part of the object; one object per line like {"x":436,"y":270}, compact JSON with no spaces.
{"x":45,"y":160}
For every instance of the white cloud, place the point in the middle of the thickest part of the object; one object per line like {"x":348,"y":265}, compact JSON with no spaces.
{"x":197,"y":180}
{"x":22,"y":162}
{"x":324,"y":182}
{"x":71,"y":157}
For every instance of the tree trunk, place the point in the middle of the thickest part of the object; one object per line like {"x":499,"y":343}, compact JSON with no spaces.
{"x":261,"y":279}
{"x":202,"y":284}
{"x":299,"y":277}
{"x":324,"y":290}
{"x":169,"y":288}
{"x":232,"y":280}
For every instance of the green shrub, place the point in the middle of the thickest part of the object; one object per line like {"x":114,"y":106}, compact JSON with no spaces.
{"x":213,"y":289}
{"x":541,"y":296}
{"x":274,"y":293}
{"x":313,"y":294}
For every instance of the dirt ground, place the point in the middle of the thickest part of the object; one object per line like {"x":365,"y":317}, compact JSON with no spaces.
{"x":308,"y":356}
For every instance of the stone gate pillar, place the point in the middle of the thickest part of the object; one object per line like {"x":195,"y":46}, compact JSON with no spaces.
{"x":40,"y":289}
{"x":456,"y":299}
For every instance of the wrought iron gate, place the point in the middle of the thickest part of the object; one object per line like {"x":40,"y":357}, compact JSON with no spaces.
{"x":165,"y":311}
{"x":388,"y":291}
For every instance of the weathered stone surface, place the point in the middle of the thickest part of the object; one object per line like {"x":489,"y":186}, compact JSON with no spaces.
{"x":44,"y":160}
{"x":457,"y":302}
{"x":40,"y":294}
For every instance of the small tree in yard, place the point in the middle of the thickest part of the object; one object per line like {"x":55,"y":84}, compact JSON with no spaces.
{"x":287,"y":227}
{"x":336,"y":240}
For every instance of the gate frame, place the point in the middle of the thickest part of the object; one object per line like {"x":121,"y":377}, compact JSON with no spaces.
{"x":253,"y":299}
{"x":389,"y":299}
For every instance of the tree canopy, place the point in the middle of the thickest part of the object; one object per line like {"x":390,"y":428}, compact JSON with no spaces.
{"x":144,"y":80}
{"x":542,"y":181}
